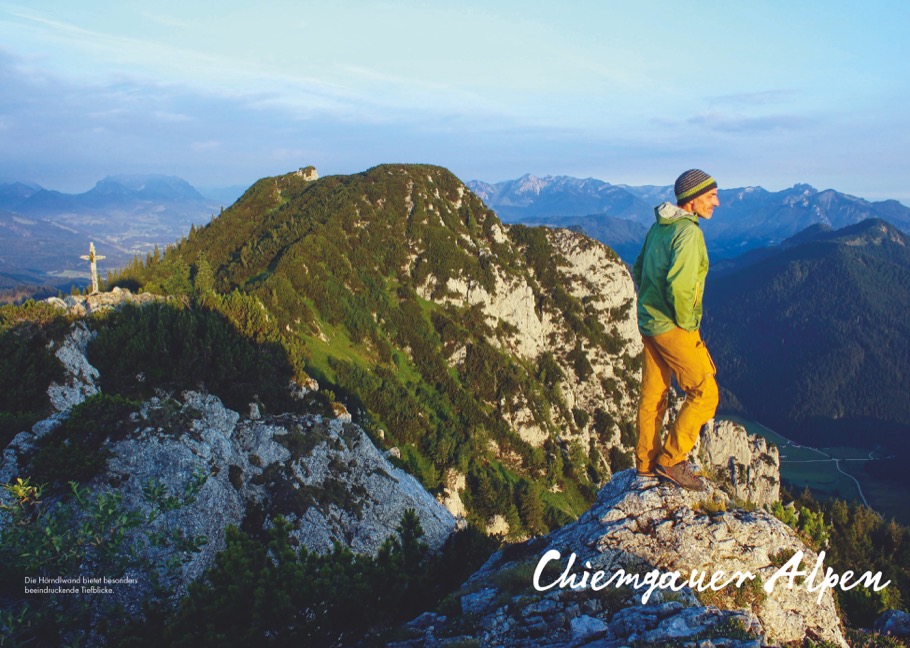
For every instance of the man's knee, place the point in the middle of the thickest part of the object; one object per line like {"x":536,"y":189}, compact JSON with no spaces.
{"x":705,"y":395}
{"x":709,"y":395}
{"x":714,"y":393}
{"x":655,"y":399}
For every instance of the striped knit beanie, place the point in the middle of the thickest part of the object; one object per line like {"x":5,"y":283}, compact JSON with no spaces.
{"x":692,"y":184}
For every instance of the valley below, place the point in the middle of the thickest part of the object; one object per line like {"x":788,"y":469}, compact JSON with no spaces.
{"x":835,"y":472}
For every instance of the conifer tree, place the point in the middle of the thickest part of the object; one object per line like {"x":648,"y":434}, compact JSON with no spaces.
{"x":204,"y":281}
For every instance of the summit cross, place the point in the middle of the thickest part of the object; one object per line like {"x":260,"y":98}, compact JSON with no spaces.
{"x":92,"y":258}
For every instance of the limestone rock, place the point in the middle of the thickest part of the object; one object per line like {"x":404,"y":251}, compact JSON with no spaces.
{"x":81,"y":376}
{"x":299,"y":391}
{"x":324,"y":475}
{"x":748,"y":463}
{"x":341,"y":412}
{"x":307,"y":173}
{"x":81,"y":305}
{"x":641,"y":526}
{"x":679,"y":529}
{"x":450,"y":497}
{"x":333,"y":484}
{"x":23,"y":444}
{"x":149,"y":455}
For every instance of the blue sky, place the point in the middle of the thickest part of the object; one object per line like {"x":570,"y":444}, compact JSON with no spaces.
{"x":770,"y":93}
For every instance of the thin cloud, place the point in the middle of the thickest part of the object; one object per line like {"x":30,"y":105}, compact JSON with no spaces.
{"x":143,"y":54}
{"x":165,"y":116}
{"x":338,"y":91}
{"x":760,"y":98}
{"x":162,"y":19}
{"x":732,"y":123}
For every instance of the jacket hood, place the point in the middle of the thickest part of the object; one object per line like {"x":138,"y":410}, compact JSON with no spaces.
{"x":667,"y":213}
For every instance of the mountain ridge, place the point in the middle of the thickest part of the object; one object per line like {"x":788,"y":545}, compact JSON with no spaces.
{"x":749,"y":217}
{"x":15,"y":195}
{"x":471,"y":327}
{"x":782,"y":332}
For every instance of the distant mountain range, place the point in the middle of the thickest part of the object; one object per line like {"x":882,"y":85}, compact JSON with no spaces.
{"x":811,"y":337}
{"x":44,"y":232}
{"x":619,"y":215}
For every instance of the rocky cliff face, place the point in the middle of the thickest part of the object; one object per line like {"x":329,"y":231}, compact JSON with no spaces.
{"x":529,"y":328}
{"x":747,"y":465}
{"x":538,"y":594}
{"x":322,"y":474}
{"x":81,"y":376}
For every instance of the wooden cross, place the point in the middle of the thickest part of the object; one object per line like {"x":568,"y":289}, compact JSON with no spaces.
{"x":91,"y":257}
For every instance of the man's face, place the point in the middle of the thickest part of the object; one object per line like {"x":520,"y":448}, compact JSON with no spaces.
{"x":704,"y":205}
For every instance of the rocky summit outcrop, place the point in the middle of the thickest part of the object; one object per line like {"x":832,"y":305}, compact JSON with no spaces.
{"x":213,"y":467}
{"x":324,"y":475}
{"x":547,"y":592}
{"x":747,"y":465}
{"x":81,"y":305}
{"x":80,"y":376}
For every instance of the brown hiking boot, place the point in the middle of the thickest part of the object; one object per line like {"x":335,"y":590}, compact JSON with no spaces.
{"x":681,"y":475}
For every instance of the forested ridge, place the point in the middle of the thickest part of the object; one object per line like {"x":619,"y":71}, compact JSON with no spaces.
{"x":814,"y":340}
{"x":336,"y":265}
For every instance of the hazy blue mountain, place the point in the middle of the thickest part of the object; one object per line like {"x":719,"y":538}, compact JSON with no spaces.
{"x":12,"y":194}
{"x":143,"y":187}
{"x":753,"y":217}
{"x":530,"y":198}
{"x":749,"y":217}
{"x":44,"y":232}
{"x":117,"y":192}
{"x":651,"y":194}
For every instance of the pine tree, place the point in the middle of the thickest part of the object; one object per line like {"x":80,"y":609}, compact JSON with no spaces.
{"x":204,"y":280}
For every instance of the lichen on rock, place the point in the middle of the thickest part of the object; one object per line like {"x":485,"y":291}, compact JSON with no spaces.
{"x":639,"y":525}
{"x":747,"y":463}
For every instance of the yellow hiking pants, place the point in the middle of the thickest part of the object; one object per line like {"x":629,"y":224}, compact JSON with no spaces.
{"x":682,"y":354}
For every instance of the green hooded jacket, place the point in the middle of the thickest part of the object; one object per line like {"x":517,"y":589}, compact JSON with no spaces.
{"x":670,"y":273}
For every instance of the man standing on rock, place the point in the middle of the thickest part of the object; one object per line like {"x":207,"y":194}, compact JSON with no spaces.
{"x":670,"y":273}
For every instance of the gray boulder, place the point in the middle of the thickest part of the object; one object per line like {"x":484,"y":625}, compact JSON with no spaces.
{"x":215,"y":469}
{"x":638,"y":527}
{"x":748,"y":464}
